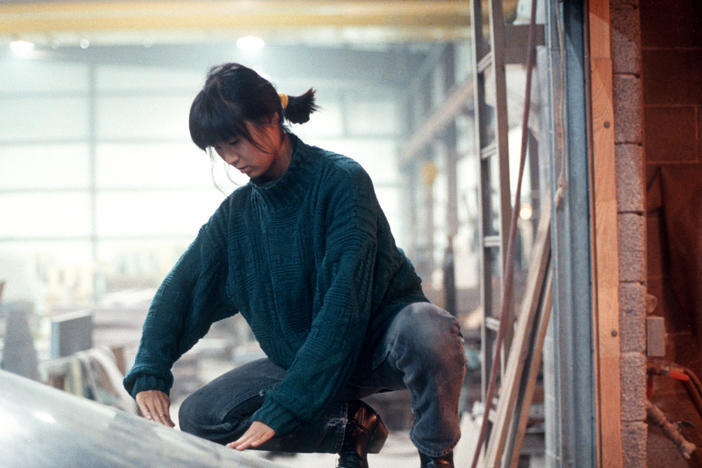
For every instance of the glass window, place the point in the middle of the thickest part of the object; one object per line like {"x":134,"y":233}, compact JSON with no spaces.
{"x":152,"y":165}
{"x":23,"y":76}
{"x":326,"y":122}
{"x":143,"y":117}
{"x":377,"y":156}
{"x":43,"y":271}
{"x":154,"y":256}
{"x":59,"y":118}
{"x":376,"y":116}
{"x":45,"y":214}
{"x":155,"y":213}
{"x":137,"y":78}
{"x":44,"y":166}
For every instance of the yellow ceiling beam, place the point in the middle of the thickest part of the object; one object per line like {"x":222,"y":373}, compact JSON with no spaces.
{"x":40,"y":17}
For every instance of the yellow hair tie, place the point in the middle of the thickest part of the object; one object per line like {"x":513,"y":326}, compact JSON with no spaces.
{"x":283,"y":100}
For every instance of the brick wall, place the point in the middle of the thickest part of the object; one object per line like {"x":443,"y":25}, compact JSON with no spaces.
{"x":629,"y":131}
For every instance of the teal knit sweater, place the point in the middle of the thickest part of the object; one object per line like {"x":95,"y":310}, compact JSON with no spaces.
{"x":309,"y":261}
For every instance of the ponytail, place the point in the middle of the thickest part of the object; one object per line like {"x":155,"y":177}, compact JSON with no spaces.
{"x":234,"y":95}
{"x":297,"y":109}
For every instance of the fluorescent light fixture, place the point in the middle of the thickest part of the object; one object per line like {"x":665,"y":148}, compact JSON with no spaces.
{"x":21,"y":47}
{"x":250,"y":43}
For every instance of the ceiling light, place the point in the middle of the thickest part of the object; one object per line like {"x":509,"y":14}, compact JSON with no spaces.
{"x":526,"y":211}
{"x":84,"y":43}
{"x":250,"y":43}
{"x":19,"y":47}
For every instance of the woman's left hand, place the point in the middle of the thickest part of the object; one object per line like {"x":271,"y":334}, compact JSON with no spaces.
{"x":257,"y":434}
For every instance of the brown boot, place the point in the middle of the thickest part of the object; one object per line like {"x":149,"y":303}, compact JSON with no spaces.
{"x":439,"y":462}
{"x":365,"y":433}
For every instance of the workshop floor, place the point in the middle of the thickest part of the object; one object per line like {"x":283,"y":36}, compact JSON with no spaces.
{"x":398,"y":451}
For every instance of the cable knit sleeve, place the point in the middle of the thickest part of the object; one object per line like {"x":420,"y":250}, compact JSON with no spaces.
{"x":327,"y":357}
{"x":188,"y":301}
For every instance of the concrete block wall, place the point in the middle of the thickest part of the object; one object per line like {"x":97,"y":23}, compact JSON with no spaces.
{"x":672,"y":71}
{"x":672,"y":95}
{"x":671,"y":74}
{"x":630,"y":180}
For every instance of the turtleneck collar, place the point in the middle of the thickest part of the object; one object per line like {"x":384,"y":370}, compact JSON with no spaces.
{"x":292,"y":185}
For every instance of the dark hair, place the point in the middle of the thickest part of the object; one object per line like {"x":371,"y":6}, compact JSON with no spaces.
{"x":234,"y":94}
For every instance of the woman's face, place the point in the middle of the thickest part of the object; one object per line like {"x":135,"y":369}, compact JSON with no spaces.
{"x":265,"y":160}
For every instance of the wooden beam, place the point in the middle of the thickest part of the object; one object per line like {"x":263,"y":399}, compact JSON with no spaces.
{"x":85,"y":16}
{"x":516,"y":42}
{"x":520,"y":346}
{"x":604,"y":237}
{"x":519,"y":424}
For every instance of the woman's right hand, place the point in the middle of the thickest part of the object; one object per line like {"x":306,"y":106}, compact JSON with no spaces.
{"x":154,"y":405}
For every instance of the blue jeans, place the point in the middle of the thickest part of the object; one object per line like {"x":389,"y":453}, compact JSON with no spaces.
{"x":422,"y":351}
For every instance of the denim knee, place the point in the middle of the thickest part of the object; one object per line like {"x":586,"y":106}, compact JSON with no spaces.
{"x":430,"y":332}
{"x":203,"y":417}
{"x":190,"y":415}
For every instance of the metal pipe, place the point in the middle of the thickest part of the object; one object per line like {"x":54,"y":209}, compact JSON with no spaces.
{"x":43,"y":427}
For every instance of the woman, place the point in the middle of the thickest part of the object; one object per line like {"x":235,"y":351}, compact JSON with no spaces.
{"x":305,"y":254}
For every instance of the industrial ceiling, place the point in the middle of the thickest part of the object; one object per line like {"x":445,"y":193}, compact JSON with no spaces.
{"x":299,"y":21}
{"x":374,"y":42}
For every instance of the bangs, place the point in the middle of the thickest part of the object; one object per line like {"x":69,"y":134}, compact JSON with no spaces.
{"x":214,"y":121}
